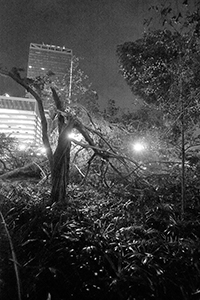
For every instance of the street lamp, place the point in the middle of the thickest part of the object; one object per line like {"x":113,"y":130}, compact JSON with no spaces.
{"x":139,"y":147}
{"x":75,"y":136}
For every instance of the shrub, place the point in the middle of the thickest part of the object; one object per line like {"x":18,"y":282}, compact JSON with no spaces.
{"x":99,"y":247}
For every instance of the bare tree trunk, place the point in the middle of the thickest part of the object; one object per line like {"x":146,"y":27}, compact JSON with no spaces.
{"x":28,"y":171}
{"x":60,"y":172}
{"x":60,"y":178}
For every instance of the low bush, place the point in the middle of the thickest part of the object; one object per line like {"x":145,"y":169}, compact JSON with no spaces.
{"x":99,"y":246}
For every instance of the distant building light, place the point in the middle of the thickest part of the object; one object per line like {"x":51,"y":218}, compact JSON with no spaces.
{"x":42,"y":69}
{"x":41,"y":151}
{"x":30,"y":67}
{"x":22,"y":147}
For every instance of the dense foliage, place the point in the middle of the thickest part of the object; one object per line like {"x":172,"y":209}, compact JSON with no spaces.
{"x":14,"y":155}
{"x":122,"y":233}
{"x":124,"y":245}
{"x":163,"y":69}
{"x":152,"y":67}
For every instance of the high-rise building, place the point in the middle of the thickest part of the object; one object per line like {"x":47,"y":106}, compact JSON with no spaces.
{"x":49,"y":58}
{"x":19,"y":118}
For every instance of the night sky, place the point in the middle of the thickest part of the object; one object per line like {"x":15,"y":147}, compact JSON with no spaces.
{"x":91,"y":28}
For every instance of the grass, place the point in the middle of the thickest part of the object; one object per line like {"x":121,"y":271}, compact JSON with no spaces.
{"x":120,"y":245}
{"x":14,"y":259}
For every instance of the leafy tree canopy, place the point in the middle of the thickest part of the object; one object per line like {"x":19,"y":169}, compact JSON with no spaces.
{"x":163,"y":69}
{"x":151,"y":65}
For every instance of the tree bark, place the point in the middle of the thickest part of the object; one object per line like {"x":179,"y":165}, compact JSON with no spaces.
{"x":29,"y":171}
{"x":60,"y":172}
{"x":60,"y":179}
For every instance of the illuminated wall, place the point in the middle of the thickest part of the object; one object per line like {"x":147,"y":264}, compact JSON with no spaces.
{"x":44,"y":58}
{"x":19,"y":118}
{"x":49,"y":58}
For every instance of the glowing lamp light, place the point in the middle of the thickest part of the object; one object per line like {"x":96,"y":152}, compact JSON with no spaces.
{"x":71,"y":135}
{"x":43,"y":150}
{"x":74,"y":136}
{"x":138,"y":147}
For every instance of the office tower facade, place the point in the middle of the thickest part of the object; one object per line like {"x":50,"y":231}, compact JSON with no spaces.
{"x":49,"y":58}
{"x":19,"y":118}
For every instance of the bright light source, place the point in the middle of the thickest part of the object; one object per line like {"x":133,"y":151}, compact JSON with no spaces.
{"x":138,"y":147}
{"x":7,"y":95}
{"x":41,"y":151}
{"x":22,"y":147}
{"x":71,"y":135}
{"x":75,"y":136}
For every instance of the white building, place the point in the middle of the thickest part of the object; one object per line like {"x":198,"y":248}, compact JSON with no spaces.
{"x":19,"y":118}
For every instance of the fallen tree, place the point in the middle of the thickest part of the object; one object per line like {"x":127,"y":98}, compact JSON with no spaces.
{"x":29,"y":171}
{"x":59,"y":160}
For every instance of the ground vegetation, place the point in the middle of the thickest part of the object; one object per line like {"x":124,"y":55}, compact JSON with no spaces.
{"x":122,"y":233}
